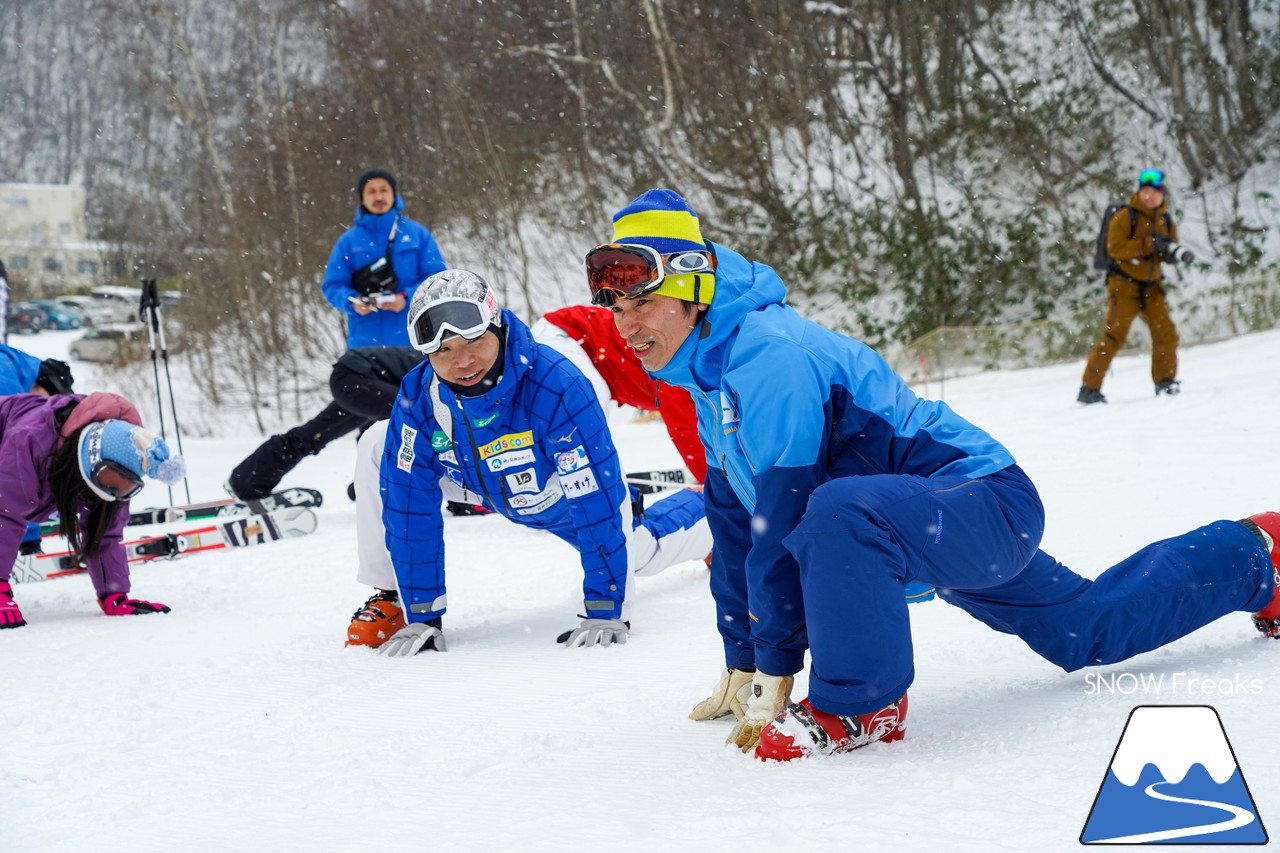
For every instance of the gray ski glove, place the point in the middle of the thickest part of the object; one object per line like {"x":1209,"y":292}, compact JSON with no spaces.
{"x":593,"y":632}
{"x":413,"y":638}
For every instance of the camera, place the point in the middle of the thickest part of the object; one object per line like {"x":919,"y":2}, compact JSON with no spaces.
{"x":1174,"y":253}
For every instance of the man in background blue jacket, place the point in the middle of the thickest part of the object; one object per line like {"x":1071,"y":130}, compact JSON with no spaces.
{"x":831,"y":485}
{"x":358,"y":281}
{"x":496,"y":419}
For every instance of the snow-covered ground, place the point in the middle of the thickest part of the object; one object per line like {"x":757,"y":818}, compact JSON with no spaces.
{"x":240,"y":721}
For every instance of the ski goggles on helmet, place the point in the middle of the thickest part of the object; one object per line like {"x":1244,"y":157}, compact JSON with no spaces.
{"x":1151,"y":178}
{"x":628,"y":270}
{"x":115,"y":480}
{"x":449,"y":318}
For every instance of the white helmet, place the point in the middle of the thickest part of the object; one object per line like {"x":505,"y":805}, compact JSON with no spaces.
{"x":449,"y":304}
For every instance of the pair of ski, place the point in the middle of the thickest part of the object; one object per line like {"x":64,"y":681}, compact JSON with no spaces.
{"x":229,"y":528}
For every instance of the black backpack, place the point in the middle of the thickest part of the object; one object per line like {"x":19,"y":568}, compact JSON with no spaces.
{"x":1101,"y":259}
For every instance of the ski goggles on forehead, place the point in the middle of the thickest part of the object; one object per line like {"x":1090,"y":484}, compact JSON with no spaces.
{"x":115,"y":479}
{"x":455,"y":317}
{"x":1151,"y":178}
{"x":627,"y":270}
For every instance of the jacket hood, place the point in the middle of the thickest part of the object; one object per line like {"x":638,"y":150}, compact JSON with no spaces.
{"x":742,"y":287}
{"x":22,"y":367}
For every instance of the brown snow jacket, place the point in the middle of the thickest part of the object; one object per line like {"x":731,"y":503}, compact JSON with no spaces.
{"x":1135,"y":256}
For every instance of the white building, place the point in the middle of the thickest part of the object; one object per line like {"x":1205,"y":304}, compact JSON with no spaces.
{"x":43,"y":240}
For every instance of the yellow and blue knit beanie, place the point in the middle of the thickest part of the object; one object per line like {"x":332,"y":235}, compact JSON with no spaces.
{"x":663,"y":221}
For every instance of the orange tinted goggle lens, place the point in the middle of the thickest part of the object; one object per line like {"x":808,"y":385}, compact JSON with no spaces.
{"x":623,"y":270}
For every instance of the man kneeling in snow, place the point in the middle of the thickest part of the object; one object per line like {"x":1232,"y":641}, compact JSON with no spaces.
{"x":496,"y":419}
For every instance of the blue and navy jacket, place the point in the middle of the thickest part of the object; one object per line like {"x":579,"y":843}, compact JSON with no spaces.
{"x":535,"y":448}
{"x":414,"y":255}
{"x":785,"y":405}
{"x":18,"y":371}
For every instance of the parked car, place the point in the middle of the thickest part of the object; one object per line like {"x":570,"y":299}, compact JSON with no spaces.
{"x":59,"y":316}
{"x":119,"y":342}
{"x":95,"y":312}
{"x":25,"y":318}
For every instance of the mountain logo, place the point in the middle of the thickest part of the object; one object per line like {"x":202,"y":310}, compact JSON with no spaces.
{"x":1173,"y":779}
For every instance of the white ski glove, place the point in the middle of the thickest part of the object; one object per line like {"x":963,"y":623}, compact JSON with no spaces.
{"x":593,"y":632}
{"x":764,"y":698}
{"x":724,"y":697}
{"x":413,"y":638}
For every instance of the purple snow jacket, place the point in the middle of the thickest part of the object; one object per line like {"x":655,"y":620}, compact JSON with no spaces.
{"x":28,"y":436}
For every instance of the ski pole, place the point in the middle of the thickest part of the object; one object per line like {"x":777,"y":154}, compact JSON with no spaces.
{"x":145,"y":315}
{"x":152,"y":297}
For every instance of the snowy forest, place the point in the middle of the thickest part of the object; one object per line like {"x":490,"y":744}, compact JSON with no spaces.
{"x":906,"y":162}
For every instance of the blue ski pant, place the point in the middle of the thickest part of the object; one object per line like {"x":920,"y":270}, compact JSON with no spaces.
{"x":977,"y":541}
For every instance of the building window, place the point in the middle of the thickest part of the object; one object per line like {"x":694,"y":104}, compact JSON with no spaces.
{"x":87,"y":267}
{"x":64,"y":229}
{"x":18,"y":262}
{"x":52,"y":265}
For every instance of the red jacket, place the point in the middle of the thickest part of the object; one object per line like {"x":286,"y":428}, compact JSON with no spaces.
{"x":628,"y":382}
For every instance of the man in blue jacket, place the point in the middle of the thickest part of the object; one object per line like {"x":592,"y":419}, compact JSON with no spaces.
{"x":496,"y":419}
{"x":831,"y":485}
{"x":360,"y":283}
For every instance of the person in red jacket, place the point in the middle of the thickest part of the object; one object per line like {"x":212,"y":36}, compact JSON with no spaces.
{"x":616,"y":374}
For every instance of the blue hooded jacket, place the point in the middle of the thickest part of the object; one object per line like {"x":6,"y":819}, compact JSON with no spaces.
{"x":414,"y":256}
{"x":535,"y":448}
{"x":18,"y":371}
{"x":785,"y":405}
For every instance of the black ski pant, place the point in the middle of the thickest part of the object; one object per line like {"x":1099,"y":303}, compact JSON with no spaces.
{"x":358,"y":401}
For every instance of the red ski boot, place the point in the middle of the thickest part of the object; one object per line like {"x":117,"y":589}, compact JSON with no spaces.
{"x":1267,"y":619}
{"x":375,"y":622}
{"x":804,"y":730}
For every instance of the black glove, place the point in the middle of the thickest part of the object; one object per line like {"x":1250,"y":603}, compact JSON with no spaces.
{"x":1160,"y":243}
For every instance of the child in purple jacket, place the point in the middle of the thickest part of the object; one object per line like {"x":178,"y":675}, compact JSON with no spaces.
{"x":82,"y":457}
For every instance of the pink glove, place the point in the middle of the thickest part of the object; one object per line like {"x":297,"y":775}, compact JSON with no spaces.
{"x":10,"y":615}
{"x":119,"y":604}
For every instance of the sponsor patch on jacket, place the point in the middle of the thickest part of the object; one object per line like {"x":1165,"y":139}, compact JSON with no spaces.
{"x":522,"y":481}
{"x":579,"y":483}
{"x":454,"y":476}
{"x":481,"y":423}
{"x":728,"y":414}
{"x":441,"y":442}
{"x":509,"y":460}
{"x":533,"y":504}
{"x":404,"y":459}
{"x":572,"y":460}
{"x":503,"y":443}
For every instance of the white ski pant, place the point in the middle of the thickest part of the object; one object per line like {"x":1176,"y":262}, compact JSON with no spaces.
{"x":646,"y":554}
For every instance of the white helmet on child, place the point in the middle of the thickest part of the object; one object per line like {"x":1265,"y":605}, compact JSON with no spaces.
{"x":449,"y":304}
